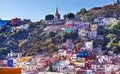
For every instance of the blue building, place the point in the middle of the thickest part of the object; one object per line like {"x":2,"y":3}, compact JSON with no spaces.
{"x":3,"y":23}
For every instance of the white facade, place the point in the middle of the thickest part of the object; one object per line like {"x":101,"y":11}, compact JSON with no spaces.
{"x":108,"y":21}
{"x":101,"y":24}
{"x":89,"y":45}
{"x":82,"y":32}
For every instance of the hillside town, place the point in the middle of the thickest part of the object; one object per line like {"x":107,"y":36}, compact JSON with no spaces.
{"x":69,"y":45}
{"x":85,"y":58}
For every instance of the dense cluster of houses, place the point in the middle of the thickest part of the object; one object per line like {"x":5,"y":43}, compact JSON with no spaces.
{"x":88,"y":59}
{"x":14,"y":25}
{"x":84,"y":29}
{"x":65,"y":60}
{"x":68,"y":59}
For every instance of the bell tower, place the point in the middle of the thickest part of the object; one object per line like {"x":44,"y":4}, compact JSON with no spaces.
{"x":57,"y":15}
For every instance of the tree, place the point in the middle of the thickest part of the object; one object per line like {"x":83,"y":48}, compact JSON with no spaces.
{"x":22,"y":43}
{"x":110,"y":45}
{"x":48,"y":40}
{"x":65,"y":16}
{"x":84,"y":39}
{"x":88,"y":17}
{"x":83,"y":11}
{"x":78,"y":45}
{"x":49,"y":17}
{"x":78,"y":14}
{"x":44,"y":48}
{"x":37,"y":23}
{"x":50,"y":34}
{"x":114,"y":49}
{"x":113,"y":37}
{"x":119,"y":43}
{"x":70,"y":35}
{"x":51,"y":47}
{"x":42,"y":22}
{"x":3,"y":51}
{"x":70,"y":16}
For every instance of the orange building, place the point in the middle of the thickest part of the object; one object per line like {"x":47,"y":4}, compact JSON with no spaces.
{"x":10,"y":70}
{"x":93,"y":27}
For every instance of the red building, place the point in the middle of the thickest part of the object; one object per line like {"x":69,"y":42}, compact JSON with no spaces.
{"x":15,"y":21}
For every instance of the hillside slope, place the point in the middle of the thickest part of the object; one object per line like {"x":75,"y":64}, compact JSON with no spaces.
{"x":106,"y":11}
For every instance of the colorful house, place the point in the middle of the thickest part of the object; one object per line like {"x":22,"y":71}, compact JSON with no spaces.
{"x":83,"y":25}
{"x":93,"y":27}
{"x":98,"y":20}
{"x":92,"y":34}
{"x":14,"y":25}
{"x":15,"y":21}
{"x":67,"y":28}
{"x":64,"y":52}
{"x":101,"y":24}
{"x":18,"y":24}
{"x":82,"y":32}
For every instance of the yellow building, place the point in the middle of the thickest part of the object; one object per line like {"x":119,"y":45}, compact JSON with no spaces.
{"x":93,"y":27}
{"x":79,"y":62}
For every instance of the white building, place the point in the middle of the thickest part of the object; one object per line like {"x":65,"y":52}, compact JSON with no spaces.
{"x":108,"y":21}
{"x":82,"y":32}
{"x":89,"y":45}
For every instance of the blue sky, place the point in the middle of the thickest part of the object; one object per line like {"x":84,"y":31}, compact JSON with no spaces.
{"x":37,"y":9}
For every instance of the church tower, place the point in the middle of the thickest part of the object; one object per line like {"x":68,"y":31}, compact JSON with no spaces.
{"x":57,"y":15}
